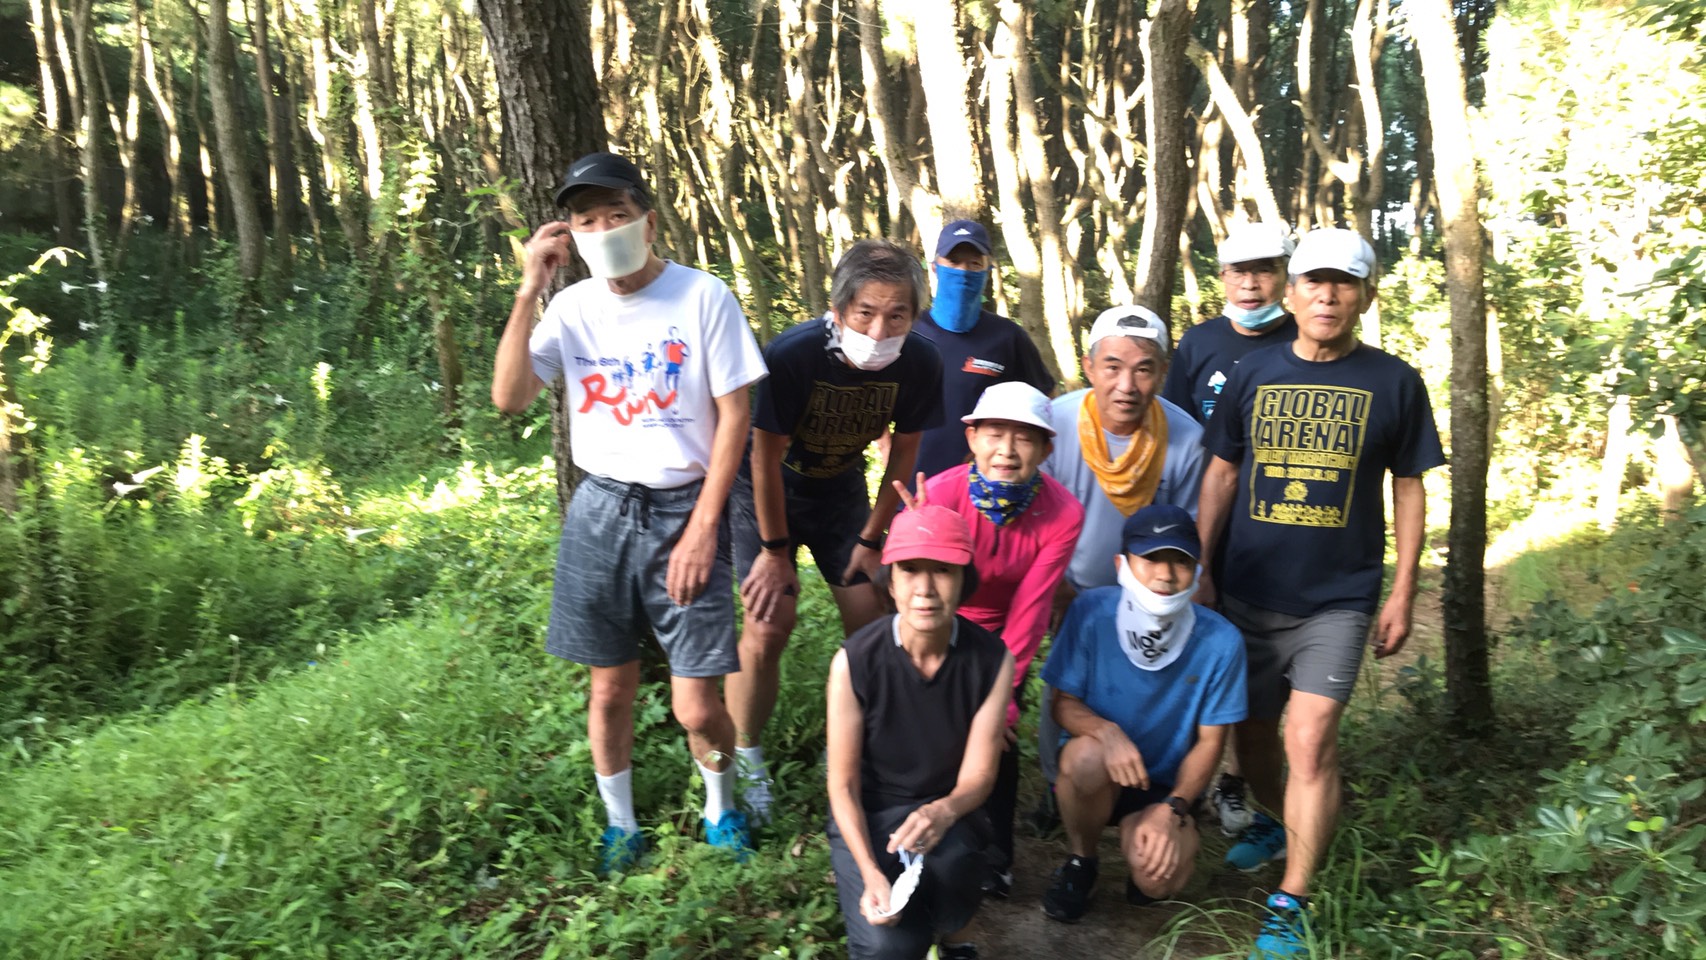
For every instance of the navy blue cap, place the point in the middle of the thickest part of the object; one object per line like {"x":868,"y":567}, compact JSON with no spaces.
{"x":963,"y":231}
{"x":1161,"y":526}
{"x":600,"y":170}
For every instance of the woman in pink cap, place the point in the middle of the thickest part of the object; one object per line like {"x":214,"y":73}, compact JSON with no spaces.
{"x":1024,"y":525}
{"x":917,"y":702}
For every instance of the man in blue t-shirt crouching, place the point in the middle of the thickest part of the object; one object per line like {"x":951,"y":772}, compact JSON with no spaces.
{"x":1301,"y":443}
{"x":1146,"y":684}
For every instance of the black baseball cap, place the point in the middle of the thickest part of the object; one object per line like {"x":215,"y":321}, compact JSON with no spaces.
{"x":963,"y":231}
{"x":599,"y":170}
{"x":1161,"y":526}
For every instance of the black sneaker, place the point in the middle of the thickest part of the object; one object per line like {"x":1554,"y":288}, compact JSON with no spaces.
{"x":1068,"y":898}
{"x":956,"y":951}
{"x":1135,"y":896}
{"x":998,"y":884}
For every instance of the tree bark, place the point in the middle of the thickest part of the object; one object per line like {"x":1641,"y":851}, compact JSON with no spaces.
{"x":946,"y":80}
{"x":542,"y":58}
{"x":1022,"y":249}
{"x":280,"y":152}
{"x":1167,"y":180}
{"x":233,"y":146}
{"x":888,"y":127}
{"x":89,"y":137}
{"x":165,"y":105}
{"x":56,"y":122}
{"x":1243,"y":133}
{"x":1467,"y":673}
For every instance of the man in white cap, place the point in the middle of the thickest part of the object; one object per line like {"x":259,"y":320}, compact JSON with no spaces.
{"x":1118,"y":447}
{"x":1252,"y":272}
{"x":1293,"y":510}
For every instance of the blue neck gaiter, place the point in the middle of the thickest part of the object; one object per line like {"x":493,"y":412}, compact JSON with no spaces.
{"x":959,"y":297}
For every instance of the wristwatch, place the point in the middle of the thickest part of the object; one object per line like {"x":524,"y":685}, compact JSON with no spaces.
{"x":780,"y":543}
{"x":1181,"y":807}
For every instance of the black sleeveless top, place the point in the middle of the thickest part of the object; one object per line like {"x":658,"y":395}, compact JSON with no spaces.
{"x":916,"y":729}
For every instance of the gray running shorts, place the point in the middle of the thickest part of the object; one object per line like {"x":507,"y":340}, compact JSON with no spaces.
{"x":1321,"y":654}
{"x":611,"y":569}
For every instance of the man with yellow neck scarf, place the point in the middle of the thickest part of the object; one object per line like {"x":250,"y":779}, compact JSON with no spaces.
{"x":1118,"y":447}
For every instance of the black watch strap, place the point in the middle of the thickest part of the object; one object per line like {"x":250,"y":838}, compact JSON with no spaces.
{"x":869,"y":544}
{"x":780,"y":543}
{"x":1180,"y":806}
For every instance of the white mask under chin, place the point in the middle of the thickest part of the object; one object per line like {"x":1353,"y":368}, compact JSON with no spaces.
{"x":1153,"y":628}
{"x":611,"y":254}
{"x":867,"y":354}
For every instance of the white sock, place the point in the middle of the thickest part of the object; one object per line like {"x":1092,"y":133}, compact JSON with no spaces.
{"x":719,"y":792}
{"x":751,"y":763}
{"x":617,"y":791}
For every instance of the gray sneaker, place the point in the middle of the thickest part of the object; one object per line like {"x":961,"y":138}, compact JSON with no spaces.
{"x":1235,"y":814}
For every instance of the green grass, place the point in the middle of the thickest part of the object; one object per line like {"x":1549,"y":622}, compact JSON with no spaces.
{"x":423,"y":791}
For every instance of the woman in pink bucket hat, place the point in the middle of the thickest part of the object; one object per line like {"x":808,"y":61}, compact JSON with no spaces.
{"x":917,"y":705}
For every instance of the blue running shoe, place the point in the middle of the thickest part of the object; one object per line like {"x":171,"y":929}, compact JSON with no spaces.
{"x":1262,"y":842}
{"x":1284,"y":935}
{"x":619,"y":850}
{"x":730,"y":833}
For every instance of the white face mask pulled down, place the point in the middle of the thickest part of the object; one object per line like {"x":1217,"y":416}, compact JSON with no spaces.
{"x":615,"y":253}
{"x":861,"y":351}
{"x":1153,"y":628}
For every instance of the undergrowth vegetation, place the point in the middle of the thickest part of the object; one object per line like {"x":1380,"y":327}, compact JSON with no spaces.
{"x":271,"y":683}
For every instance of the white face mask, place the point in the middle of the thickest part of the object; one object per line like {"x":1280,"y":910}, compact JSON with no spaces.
{"x":1153,"y":629}
{"x":612,"y":254}
{"x":867,"y":354}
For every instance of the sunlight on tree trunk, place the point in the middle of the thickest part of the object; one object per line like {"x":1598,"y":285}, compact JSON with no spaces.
{"x":1464,"y":602}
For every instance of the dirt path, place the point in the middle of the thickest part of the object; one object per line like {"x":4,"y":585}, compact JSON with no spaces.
{"x":1018,"y":928}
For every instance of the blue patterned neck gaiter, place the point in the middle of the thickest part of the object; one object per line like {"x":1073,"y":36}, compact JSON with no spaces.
{"x":999,"y":500}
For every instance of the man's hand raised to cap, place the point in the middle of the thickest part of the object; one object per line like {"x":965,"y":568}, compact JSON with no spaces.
{"x":547,"y":250}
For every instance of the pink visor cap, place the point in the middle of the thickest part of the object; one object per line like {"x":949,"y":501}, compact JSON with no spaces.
{"x":929,"y":532}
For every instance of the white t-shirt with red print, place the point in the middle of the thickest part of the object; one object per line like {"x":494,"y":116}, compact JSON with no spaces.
{"x":643,"y":371}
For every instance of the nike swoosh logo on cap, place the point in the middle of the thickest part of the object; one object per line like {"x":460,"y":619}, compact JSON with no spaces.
{"x":584,"y":167}
{"x":1166,"y":528}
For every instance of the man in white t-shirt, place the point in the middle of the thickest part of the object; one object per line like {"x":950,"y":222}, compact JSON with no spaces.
{"x":645,"y":540}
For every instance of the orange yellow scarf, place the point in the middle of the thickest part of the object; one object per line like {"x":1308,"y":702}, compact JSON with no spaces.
{"x":1130,"y":481}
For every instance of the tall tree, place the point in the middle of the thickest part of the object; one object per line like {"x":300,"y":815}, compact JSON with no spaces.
{"x":1167,"y":180}
{"x":232,"y":142}
{"x":1467,"y":676}
{"x":542,"y":56}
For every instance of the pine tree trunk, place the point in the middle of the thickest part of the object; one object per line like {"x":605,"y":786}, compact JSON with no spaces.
{"x":89,"y":138}
{"x":280,"y":150}
{"x":56,"y":122}
{"x":1167,"y":177}
{"x":542,"y":57}
{"x":1467,"y":670}
{"x":232,"y":144}
{"x":943,"y":72}
{"x":165,"y":106}
{"x":888,"y":128}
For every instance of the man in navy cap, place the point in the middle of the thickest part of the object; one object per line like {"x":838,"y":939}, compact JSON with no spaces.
{"x":1147,"y":685}
{"x":978,"y":348}
{"x":645,"y":545}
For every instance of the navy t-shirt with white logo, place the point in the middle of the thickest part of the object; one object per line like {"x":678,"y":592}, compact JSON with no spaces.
{"x":1314,"y":442}
{"x":995,"y":350}
{"x":833,"y":411}
{"x":1204,"y":359}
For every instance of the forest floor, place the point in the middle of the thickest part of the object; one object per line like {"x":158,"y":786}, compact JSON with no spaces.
{"x":1017,"y":927}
